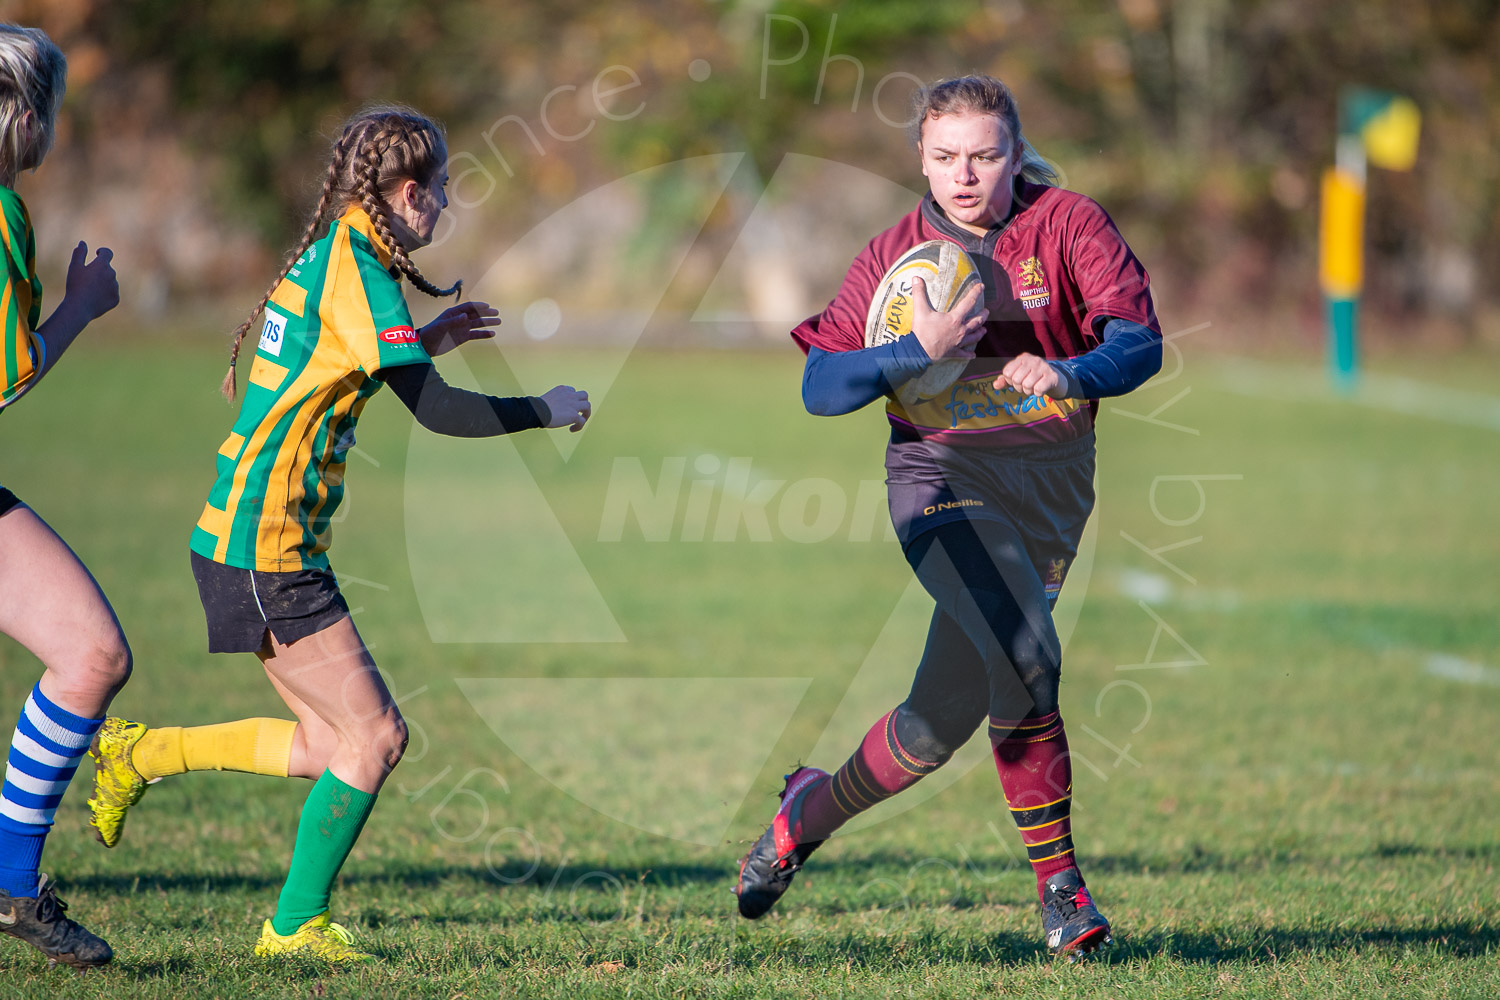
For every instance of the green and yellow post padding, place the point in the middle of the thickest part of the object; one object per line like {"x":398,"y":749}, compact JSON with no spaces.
{"x":1374,"y":127}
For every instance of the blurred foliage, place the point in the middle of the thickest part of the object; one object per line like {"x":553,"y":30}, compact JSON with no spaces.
{"x":254,"y":84}
{"x":1201,"y":124}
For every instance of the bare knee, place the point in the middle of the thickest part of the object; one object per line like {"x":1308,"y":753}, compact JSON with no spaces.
{"x":384,"y":739}
{"x":94,"y":672}
{"x":114,"y":662}
{"x":396,"y":740}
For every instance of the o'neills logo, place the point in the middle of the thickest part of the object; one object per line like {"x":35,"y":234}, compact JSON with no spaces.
{"x":399,"y":335}
{"x":952,"y":505}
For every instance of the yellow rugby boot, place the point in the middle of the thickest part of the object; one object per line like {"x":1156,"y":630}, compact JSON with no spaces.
{"x":319,"y":937}
{"x":117,"y":784}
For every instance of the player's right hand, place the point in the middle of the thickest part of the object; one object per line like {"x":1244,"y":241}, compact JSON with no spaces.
{"x":951,"y":334}
{"x":92,"y":285}
{"x":570,"y":407}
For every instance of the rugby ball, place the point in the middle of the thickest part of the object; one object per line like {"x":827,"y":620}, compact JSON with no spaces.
{"x":949,"y":273}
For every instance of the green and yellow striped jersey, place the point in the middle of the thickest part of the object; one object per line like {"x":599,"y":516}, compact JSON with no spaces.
{"x":336,"y":320}
{"x":21,"y":302}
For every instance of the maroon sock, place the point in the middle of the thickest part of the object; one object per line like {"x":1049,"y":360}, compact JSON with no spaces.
{"x":880,"y":768}
{"x":1031,"y":755}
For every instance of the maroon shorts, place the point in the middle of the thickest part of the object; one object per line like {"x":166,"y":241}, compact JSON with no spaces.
{"x":1044,"y":491}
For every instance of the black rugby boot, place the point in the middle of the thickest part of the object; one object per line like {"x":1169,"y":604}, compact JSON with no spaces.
{"x":1073,"y":925}
{"x":41,"y":923}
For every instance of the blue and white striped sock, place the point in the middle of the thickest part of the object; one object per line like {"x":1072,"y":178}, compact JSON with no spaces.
{"x":44,"y":752}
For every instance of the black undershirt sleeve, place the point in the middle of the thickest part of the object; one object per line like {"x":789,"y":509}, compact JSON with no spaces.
{"x":444,"y":409}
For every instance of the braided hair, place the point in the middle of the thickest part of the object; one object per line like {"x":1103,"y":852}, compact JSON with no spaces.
{"x":376,"y":152}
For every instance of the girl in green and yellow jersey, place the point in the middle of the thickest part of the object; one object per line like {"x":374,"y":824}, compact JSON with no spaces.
{"x":334,"y":328}
{"x":49,"y":603}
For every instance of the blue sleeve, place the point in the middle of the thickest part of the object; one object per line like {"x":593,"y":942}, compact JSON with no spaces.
{"x":836,"y":382}
{"x":1128,"y":355}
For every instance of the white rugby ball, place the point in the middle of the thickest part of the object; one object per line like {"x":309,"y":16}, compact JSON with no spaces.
{"x":949,"y":272}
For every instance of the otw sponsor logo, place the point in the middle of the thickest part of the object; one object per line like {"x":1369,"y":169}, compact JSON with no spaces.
{"x":951,"y":505}
{"x":399,"y":335}
{"x":1031,"y":283}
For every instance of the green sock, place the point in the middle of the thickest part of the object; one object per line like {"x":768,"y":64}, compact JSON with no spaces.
{"x":332,"y":817}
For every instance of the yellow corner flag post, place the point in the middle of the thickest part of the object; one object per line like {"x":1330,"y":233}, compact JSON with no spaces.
{"x":1381,"y":128}
{"x":1341,"y":268}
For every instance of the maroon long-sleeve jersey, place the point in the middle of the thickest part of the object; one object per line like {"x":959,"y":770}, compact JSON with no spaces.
{"x":1054,"y":273}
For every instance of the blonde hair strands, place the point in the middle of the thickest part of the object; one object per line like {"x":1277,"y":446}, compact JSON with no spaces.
{"x":33,"y":77}
{"x":377,"y":151}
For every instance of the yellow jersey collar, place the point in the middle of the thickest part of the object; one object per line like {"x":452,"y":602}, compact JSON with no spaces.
{"x":358,"y":219}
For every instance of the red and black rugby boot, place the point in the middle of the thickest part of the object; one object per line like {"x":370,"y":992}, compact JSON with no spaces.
{"x":766,"y":872}
{"x":1073,"y":925}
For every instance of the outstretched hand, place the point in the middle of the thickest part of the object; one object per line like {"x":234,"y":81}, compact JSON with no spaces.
{"x":951,"y":334}
{"x":570,"y":407}
{"x":457,"y":325}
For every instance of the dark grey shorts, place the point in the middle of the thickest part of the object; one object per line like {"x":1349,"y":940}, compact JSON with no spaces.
{"x":8,"y":500}
{"x":241,"y":605}
{"x":1044,"y":491}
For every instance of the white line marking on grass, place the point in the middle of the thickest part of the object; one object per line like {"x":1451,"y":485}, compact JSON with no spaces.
{"x":1392,"y":393}
{"x":1154,"y":588}
{"x":1150,"y":587}
{"x":1456,"y":668}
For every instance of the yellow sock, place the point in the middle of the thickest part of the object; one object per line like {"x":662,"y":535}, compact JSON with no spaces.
{"x":256,"y":746}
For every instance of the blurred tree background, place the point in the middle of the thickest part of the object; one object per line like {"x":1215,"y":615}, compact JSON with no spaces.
{"x":194,"y":133}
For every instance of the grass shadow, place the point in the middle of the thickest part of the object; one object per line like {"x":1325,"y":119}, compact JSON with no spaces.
{"x":885,"y":864}
{"x":1273,"y":944}
{"x":412,"y":877}
{"x":157,"y":969}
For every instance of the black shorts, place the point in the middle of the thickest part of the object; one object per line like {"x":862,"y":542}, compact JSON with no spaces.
{"x":8,"y":500}
{"x":241,"y":604}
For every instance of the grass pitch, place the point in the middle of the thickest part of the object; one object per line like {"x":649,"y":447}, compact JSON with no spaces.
{"x":1283,"y":720}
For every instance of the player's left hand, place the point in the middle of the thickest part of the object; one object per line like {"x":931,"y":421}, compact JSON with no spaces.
{"x":457,"y":325}
{"x":569,"y":407}
{"x":1029,"y":375}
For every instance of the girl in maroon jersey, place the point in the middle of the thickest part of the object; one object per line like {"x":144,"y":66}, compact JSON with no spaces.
{"x":991,"y":481}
